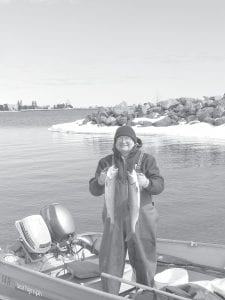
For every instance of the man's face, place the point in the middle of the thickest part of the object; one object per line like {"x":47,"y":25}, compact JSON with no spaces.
{"x":124,"y":144}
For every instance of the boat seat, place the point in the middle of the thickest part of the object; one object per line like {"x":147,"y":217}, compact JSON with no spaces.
{"x":84,"y":269}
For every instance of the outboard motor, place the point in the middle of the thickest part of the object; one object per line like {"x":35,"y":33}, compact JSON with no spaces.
{"x":35,"y":240}
{"x":34,"y":234}
{"x":59,"y":221}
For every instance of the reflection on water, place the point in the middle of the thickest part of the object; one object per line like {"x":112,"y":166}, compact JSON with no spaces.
{"x":40,"y":167}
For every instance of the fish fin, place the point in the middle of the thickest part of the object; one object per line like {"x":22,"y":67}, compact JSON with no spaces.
{"x":130,"y":235}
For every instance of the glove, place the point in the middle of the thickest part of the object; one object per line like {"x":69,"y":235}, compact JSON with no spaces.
{"x":111,"y":172}
{"x":102,"y":177}
{"x":142,"y":180}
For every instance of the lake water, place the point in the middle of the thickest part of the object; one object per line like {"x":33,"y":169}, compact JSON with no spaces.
{"x":38,"y":167}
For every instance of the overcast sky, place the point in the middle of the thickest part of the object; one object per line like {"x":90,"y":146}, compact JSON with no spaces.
{"x":102,"y":52}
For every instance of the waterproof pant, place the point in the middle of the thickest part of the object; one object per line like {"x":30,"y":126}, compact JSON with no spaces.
{"x":141,"y":247}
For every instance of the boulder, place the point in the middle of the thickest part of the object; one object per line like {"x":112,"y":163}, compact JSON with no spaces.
{"x":182,"y":121}
{"x":131,"y":110}
{"x":120,"y":109}
{"x":101,"y":119}
{"x":190,"y":108}
{"x":145,"y":108}
{"x":209,"y":120}
{"x":166,"y":121}
{"x":142,"y":123}
{"x":173,"y":116}
{"x":210,"y":102}
{"x":198,"y":105}
{"x":220,"y":121}
{"x":146,"y":123}
{"x":166,"y":104}
{"x":156,"y":109}
{"x":191,"y":118}
{"x":194,"y":122}
{"x":111,"y":121}
{"x":152,"y":115}
{"x":218,"y":111}
{"x":179,"y":108}
{"x":205,"y":112}
{"x":121,"y":120}
{"x":87,"y":119}
{"x":103,"y":111}
{"x":141,"y":110}
{"x":222,"y":102}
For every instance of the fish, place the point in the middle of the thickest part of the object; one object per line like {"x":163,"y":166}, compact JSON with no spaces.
{"x":110,"y":183}
{"x":133,"y":202}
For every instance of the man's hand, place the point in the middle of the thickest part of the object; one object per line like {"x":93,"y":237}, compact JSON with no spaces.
{"x":110,"y":172}
{"x":102,"y":177}
{"x":142,"y":180}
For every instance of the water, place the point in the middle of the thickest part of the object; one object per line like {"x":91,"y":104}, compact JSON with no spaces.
{"x":38,"y":167}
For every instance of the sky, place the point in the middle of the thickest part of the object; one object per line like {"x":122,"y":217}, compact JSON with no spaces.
{"x":103,"y":52}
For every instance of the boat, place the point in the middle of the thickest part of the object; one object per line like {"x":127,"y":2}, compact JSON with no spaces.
{"x":50,"y":261}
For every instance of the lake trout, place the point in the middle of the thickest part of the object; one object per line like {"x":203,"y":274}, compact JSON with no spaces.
{"x":110,"y":182}
{"x":133,"y":201}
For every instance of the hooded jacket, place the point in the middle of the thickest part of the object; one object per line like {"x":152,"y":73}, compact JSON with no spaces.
{"x":147,"y":166}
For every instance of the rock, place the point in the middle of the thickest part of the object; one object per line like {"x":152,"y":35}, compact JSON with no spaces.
{"x":179,"y":108}
{"x":222,"y":102}
{"x":220,"y":121}
{"x":139,"y":112}
{"x":218,"y":111}
{"x":146,"y":124}
{"x":173,"y":111}
{"x":205,"y":112}
{"x":102,"y":119}
{"x":194,"y":122}
{"x":131,"y":110}
{"x":209,"y":120}
{"x":166,"y":121}
{"x":209,"y":102}
{"x":166,"y":104}
{"x":102,"y":111}
{"x":152,"y":115}
{"x":191,"y":118}
{"x":121,"y":120}
{"x":190,"y":109}
{"x":111,"y":121}
{"x":173,"y":116}
{"x":120,"y":109}
{"x":87,"y":119}
{"x":142,"y":123}
{"x":156,"y":109}
{"x":182,"y":121}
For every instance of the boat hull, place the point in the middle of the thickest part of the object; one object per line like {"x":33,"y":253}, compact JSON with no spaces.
{"x":20,"y":282}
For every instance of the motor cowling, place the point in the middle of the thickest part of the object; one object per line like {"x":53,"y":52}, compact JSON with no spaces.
{"x":59,"y":221}
{"x":34,"y":234}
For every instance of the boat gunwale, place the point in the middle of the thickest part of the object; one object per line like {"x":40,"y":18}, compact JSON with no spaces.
{"x":191,"y":243}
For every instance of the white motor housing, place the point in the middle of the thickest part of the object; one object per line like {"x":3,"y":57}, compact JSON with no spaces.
{"x":34,"y":233}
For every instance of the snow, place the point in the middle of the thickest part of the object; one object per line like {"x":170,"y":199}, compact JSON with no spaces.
{"x":198,"y":130}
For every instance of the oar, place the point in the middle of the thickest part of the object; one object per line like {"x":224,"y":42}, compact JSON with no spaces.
{"x":143,"y":287}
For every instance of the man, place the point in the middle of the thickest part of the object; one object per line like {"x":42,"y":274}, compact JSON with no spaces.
{"x":126,"y":157}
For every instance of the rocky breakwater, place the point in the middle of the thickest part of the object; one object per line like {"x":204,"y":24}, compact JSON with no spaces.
{"x":163,"y":113}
